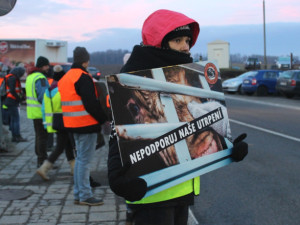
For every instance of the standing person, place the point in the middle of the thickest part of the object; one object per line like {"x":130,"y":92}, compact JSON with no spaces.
{"x":35,"y":86}
{"x":13,"y":100}
{"x":52,"y":106}
{"x":5,"y":116}
{"x":83,"y":116}
{"x":50,"y":140}
{"x":167,"y":39}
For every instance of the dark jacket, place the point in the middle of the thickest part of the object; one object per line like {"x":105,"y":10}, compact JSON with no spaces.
{"x":86,"y":90}
{"x":142,"y":57}
{"x":11,"y":82}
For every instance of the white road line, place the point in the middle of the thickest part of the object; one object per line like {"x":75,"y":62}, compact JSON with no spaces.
{"x":263,"y":103}
{"x":266,"y":130}
{"x":192,"y":219}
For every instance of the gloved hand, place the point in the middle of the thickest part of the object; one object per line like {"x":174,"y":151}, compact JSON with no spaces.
{"x":132,"y":189}
{"x":199,"y":109}
{"x":240,"y":148}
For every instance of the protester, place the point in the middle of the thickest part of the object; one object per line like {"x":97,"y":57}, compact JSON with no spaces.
{"x":167,"y":39}
{"x":5,"y":115}
{"x":13,"y":100}
{"x":52,"y":106}
{"x":35,"y":86}
{"x":83,"y":116}
{"x":50,"y":140}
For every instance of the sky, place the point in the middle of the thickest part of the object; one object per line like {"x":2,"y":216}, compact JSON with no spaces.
{"x":79,"y":21}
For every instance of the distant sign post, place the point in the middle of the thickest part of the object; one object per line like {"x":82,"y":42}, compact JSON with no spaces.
{"x":6,"y":6}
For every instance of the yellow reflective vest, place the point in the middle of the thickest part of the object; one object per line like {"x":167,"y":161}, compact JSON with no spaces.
{"x":34,"y":107}
{"x":177,"y":191}
{"x":51,"y":105}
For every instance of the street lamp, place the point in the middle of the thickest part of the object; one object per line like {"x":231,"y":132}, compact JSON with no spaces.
{"x":265,"y":56}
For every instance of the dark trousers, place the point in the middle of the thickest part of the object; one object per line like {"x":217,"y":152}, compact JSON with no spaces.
{"x":167,"y":215}
{"x":40,"y":141}
{"x":14,"y":118}
{"x":63,"y":142}
{"x":5,"y":116}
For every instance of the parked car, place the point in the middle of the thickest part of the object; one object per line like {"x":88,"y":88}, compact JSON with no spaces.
{"x":234,"y":85}
{"x":94,"y":72}
{"x":262,"y":82}
{"x":283,"y":63}
{"x":252,"y":64}
{"x":288,"y":83}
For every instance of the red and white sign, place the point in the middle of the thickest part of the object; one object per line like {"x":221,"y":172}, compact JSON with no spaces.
{"x":3,"y":47}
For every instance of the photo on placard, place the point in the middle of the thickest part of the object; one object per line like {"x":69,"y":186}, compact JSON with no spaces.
{"x":168,"y":117}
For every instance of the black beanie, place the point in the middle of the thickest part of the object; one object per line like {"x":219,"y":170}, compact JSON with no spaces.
{"x":42,"y":61}
{"x":80,"y":55}
{"x":178,"y":32}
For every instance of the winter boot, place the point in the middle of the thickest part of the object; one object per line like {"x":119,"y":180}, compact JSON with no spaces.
{"x":72,"y":165}
{"x":44,"y":169}
{"x":21,"y":139}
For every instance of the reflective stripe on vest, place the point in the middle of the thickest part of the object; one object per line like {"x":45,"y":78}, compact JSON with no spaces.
{"x":74,"y":113}
{"x":33,"y":106}
{"x":176,"y":191}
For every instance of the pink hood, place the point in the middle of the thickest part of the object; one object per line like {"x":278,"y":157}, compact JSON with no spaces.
{"x":163,"y":21}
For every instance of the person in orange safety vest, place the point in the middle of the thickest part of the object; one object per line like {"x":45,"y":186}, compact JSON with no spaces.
{"x":82,"y":116}
{"x":13,"y":100}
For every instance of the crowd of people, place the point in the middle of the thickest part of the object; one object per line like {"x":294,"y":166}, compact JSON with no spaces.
{"x":68,"y":106}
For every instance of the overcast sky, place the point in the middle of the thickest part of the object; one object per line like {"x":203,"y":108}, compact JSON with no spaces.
{"x":77,"y":20}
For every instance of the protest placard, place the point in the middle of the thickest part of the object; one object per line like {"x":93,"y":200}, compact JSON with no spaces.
{"x":171,"y":123}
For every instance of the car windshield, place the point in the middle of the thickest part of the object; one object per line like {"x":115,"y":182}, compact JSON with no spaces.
{"x":286,"y":74}
{"x":284,"y":60}
{"x":250,"y":73}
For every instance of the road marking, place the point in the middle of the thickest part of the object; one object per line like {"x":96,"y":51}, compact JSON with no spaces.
{"x":192,"y":219}
{"x":266,"y":130}
{"x":263,"y":103}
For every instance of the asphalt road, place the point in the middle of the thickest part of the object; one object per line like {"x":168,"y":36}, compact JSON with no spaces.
{"x":263,"y":189}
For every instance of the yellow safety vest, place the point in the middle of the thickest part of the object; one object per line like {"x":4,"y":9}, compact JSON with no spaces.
{"x":51,"y":106}
{"x":177,"y":191}
{"x":34,"y":107}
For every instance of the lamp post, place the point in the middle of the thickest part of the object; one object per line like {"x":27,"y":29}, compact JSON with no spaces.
{"x":265,"y":56}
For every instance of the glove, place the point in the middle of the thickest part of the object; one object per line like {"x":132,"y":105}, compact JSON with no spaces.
{"x":132,"y":189}
{"x":240,"y":148}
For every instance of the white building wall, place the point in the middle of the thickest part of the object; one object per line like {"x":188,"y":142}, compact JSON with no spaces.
{"x":219,"y":51}
{"x":55,"y":51}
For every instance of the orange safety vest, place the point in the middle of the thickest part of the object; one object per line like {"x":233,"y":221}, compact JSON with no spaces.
{"x":1,"y":80}
{"x":50,"y":80}
{"x":18,"y":87}
{"x":74,"y":113}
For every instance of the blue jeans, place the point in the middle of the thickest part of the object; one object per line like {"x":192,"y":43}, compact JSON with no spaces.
{"x":85,"y":148}
{"x":14,"y":125}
